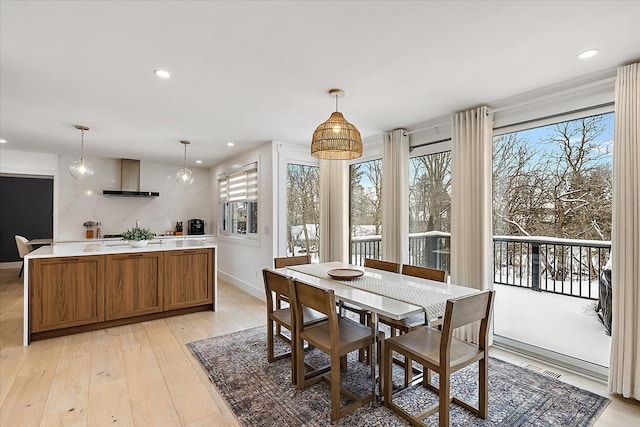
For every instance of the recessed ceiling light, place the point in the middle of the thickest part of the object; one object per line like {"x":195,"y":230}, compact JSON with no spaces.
{"x":163,"y":74}
{"x":588,"y":53}
{"x":198,"y":161}
{"x":230,"y":144}
{"x":3,"y":141}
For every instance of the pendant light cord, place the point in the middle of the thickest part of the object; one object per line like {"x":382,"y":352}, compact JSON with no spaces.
{"x":185,"y":156}
{"x":82,"y":145}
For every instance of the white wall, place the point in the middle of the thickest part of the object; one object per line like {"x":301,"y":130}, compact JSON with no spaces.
{"x":81,"y":201}
{"x":241,"y":260}
{"x":78,"y":201}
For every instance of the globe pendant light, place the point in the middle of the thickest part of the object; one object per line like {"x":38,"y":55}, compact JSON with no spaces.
{"x":81,"y":169}
{"x":184,"y":175}
{"x":336,"y":139}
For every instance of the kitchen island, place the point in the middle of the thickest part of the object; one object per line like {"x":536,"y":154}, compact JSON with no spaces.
{"x":77,"y":287}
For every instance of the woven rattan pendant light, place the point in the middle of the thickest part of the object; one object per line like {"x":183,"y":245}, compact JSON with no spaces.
{"x":336,"y":139}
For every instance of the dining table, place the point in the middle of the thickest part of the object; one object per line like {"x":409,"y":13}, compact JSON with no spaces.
{"x":389,"y":294}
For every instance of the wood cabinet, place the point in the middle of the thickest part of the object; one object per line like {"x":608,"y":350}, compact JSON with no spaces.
{"x":66,"y":292}
{"x":134,"y":284}
{"x":188,"y":278}
{"x":81,"y":293}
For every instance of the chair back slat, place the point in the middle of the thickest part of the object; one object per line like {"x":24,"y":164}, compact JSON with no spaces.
{"x":277,"y":283}
{"x":424,"y":272}
{"x":291,"y":260}
{"x":469,"y":309}
{"x":463,"y":311}
{"x":393,"y":267}
{"x":322,"y":300}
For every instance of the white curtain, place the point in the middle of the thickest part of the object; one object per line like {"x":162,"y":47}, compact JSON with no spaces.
{"x":395,"y":197}
{"x":471,"y":199}
{"x":334,"y":210}
{"x":624,"y":371}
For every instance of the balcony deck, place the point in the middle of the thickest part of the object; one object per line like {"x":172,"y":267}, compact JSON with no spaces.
{"x":559,"y":323}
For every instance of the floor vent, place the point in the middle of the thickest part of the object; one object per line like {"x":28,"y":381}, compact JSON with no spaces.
{"x":541,"y":370}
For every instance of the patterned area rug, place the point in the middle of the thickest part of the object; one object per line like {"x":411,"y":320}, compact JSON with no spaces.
{"x":261,"y":394}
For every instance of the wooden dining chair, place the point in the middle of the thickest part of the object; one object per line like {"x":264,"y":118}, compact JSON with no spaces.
{"x":441,"y":352}
{"x":403,"y":326}
{"x":424,"y":272}
{"x":393,"y":267}
{"x":282,"y":262}
{"x":337,"y":337}
{"x":291,"y":260}
{"x":278,"y":284}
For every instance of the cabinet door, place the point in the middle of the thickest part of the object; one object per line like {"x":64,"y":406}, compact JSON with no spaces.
{"x":67,"y":291}
{"x":188,"y":278}
{"x":133,"y":284}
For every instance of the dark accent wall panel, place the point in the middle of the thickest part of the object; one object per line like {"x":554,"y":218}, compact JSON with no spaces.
{"x":26,"y":209}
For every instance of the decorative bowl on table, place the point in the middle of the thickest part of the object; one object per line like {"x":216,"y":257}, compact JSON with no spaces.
{"x":345,"y":273}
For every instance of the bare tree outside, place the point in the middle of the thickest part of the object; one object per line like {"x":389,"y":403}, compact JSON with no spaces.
{"x":303,"y":209}
{"x":555,"y":181}
{"x":365,"y":210}
{"x":366,"y":198}
{"x":430,"y":210}
{"x":430,"y":192}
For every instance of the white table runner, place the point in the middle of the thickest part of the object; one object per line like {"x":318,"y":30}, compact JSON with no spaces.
{"x":392,"y":285}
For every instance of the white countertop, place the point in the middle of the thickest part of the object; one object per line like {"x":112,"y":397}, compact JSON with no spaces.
{"x":116,"y":239}
{"x":119,"y":246}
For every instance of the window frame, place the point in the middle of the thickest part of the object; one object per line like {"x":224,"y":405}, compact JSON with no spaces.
{"x":234,"y":189}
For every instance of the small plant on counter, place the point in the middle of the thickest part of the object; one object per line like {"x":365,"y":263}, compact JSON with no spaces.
{"x":137,"y":234}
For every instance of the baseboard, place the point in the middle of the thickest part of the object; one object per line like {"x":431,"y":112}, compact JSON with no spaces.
{"x":238,"y":283}
{"x":10,"y":265}
{"x":569,"y":363}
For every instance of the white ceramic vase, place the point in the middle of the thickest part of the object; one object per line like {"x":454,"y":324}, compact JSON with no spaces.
{"x":138,"y":243}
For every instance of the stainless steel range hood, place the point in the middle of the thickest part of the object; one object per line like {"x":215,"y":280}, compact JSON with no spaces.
{"x":130,"y":181}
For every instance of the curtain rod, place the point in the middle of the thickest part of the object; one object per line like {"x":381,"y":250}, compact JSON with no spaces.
{"x":554,"y":94}
{"x":412,"y":147}
{"x":437,"y":125}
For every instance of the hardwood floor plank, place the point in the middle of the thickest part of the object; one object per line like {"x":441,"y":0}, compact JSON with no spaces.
{"x":109,"y":401}
{"x":151,"y":402}
{"x":189,"y":397}
{"x":25,"y":401}
{"x":69,"y":392}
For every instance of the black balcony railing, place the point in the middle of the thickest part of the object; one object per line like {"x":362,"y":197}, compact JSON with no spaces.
{"x":562,"y":266}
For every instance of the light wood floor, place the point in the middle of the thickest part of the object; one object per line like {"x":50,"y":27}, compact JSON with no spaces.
{"x":143,"y":374}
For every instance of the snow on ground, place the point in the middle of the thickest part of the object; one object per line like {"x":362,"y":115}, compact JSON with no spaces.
{"x":559,"y":323}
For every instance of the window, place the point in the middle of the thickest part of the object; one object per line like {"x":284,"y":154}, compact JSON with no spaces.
{"x":429,"y":210}
{"x":238,"y":202}
{"x":552,"y":208}
{"x":303,"y":210}
{"x":366,"y":210}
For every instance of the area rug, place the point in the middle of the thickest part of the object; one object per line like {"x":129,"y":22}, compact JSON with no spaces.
{"x":261,"y":394}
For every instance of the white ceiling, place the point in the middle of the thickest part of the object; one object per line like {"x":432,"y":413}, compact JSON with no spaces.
{"x":251,"y":72}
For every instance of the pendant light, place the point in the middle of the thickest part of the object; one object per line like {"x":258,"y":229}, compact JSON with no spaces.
{"x":81,"y":169}
{"x":336,"y":139}
{"x":184,"y":175}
